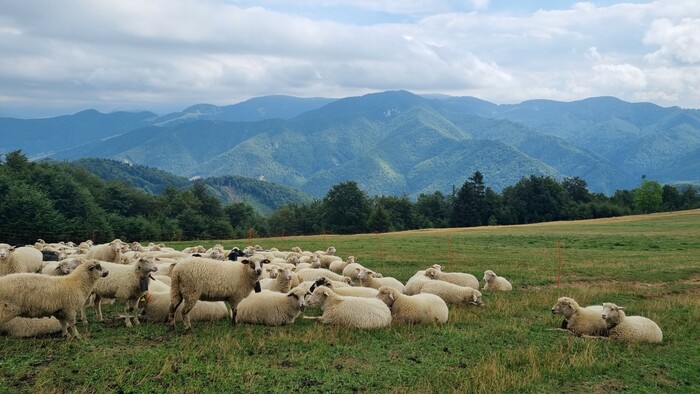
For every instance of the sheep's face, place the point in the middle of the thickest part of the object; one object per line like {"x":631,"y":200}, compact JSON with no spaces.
{"x":436,"y":267}
{"x":96,"y":270}
{"x":363,"y":274}
{"x":488,"y":275}
{"x":386,"y":295}
{"x":431,"y":273}
{"x":475,"y":299}
{"x":255,"y":265}
{"x":350,"y":259}
{"x":563,"y":307}
{"x":331,"y":250}
{"x":147,"y":264}
{"x":5,"y":251}
{"x":300,"y":296}
{"x":273,"y":272}
{"x":286,"y":273}
{"x":316,"y":263}
{"x":612,"y":312}
{"x":318,"y":297}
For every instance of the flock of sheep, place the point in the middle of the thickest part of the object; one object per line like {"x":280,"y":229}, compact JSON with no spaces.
{"x":44,"y":286}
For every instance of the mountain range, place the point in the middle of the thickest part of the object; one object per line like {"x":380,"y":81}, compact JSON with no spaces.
{"x":391,"y":143}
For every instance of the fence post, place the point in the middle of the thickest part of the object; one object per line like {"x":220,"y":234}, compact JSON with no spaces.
{"x":559,"y":271}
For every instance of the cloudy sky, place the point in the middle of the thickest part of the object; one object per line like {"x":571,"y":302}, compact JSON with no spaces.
{"x":60,"y":57}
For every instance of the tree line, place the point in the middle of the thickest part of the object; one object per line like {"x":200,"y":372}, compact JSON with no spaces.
{"x":58,"y":202}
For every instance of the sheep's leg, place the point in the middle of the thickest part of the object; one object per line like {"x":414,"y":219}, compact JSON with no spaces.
{"x":71,"y":321}
{"x":135,"y":311}
{"x":175,"y":302}
{"x":97,"y":304}
{"x":186,"y":308}
{"x":64,"y":330}
{"x":127,"y":317}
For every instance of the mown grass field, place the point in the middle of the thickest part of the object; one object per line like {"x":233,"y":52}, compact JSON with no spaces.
{"x":650,"y":264}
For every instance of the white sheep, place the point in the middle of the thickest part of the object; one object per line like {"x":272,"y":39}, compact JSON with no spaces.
{"x":457,"y":278}
{"x":338,"y":265}
{"x":30,"y":327}
{"x":271,"y":308}
{"x":419,"y":308}
{"x":37,"y":295}
{"x":315,"y":273}
{"x":126,"y":283}
{"x":328,"y":252}
{"x":496,"y":283}
{"x":630,"y":328}
{"x":21,"y":259}
{"x":63,"y":267}
{"x":580,"y":321}
{"x":281,"y":283}
{"x":368,"y":280}
{"x":452,"y":293}
{"x":348,"y":311}
{"x":352,"y":270}
{"x":111,"y":252}
{"x":195,"y":278}
{"x":416,"y":282}
{"x":156,"y":308}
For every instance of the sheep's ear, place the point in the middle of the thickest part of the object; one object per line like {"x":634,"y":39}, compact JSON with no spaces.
{"x":244,"y":261}
{"x":391,"y":295}
{"x":326,"y":293}
{"x":265,"y":261}
{"x":475,"y":298}
{"x":620,"y":308}
{"x":91,"y":267}
{"x":291,"y":294}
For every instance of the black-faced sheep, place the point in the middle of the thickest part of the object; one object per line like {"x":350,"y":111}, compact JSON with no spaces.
{"x":195,"y":278}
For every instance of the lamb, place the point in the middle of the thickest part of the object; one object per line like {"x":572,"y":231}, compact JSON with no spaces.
{"x":271,"y":308}
{"x":281,"y":283}
{"x":419,"y":308}
{"x":630,"y":328}
{"x":357,"y":312}
{"x":457,"y":278}
{"x":111,"y":252}
{"x":19,"y":259}
{"x":156,"y":308}
{"x":195,"y":278}
{"x":367,"y":280}
{"x":580,"y":321}
{"x":338,"y":265}
{"x":416,"y":282}
{"x":127,"y":283}
{"x":314,"y":273}
{"x":452,"y":293}
{"x":37,"y":295}
{"x":30,"y":327}
{"x":496,"y":283}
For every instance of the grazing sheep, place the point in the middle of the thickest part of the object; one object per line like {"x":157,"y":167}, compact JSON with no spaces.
{"x":25,"y":327}
{"x":271,"y":308}
{"x":63,"y":267}
{"x":457,"y":278}
{"x":416,"y":282}
{"x":630,"y":328}
{"x":368,"y":280}
{"x":111,"y":252}
{"x":126,"y":283}
{"x":348,"y":311}
{"x":580,"y":321}
{"x":452,"y":293}
{"x":419,"y":308}
{"x":21,"y":259}
{"x":156,"y":308}
{"x":195,"y":278}
{"x":338,"y":265}
{"x":496,"y":283}
{"x":315,"y":273}
{"x":37,"y":295}
{"x":281,"y":283}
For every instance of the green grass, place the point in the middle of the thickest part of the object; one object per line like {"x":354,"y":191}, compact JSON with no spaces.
{"x":650,"y":264}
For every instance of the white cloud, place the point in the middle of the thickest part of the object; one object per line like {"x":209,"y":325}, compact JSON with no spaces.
{"x":678,"y":42}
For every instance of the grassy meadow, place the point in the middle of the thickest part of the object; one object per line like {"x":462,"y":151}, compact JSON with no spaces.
{"x":650,"y":264}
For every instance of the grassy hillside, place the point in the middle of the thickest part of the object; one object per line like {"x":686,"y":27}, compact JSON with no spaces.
{"x":647,"y":263}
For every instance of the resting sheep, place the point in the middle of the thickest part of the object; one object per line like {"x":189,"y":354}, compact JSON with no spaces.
{"x":458,"y":278}
{"x":496,"y":283}
{"x":419,"y":308}
{"x":195,"y":278}
{"x":338,"y":265}
{"x":315,"y":273}
{"x":37,"y":295}
{"x":580,"y":321}
{"x":21,"y":259}
{"x":368,"y":280}
{"x":452,"y":293}
{"x":126,"y":283}
{"x":416,"y":282}
{"x":281,"y":282}
{"x":30,"y":327}
{"x":63,"y":267}
{"x":111,"y":252}
{"x":629,"y":328}
{"x":156,"y":308}
{"x":271,"y":308}
{"x":348,"y":311}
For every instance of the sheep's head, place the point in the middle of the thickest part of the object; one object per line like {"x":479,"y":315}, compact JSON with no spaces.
{"x":296,"y":249}
{"x":488,"y":275}
{"x":300,"y":296}
{"x":387,"y":295}
{"x":316,"y":263}
{"x":217,"y":255}
{"x":321,"y":281}
{"x":431,"y":273}
{"x":6,"y":251}
{"x":96,"y":269}
{"x":286,"y":273}
{"x":475,"y":299}
{"x":135,"y":246}
{"x":612,"y":313}
{"x":273,"y":272}
{"x":564,"y":306}
{"x":331,"y":250}
{"x":363,"y":274}
{"x":255,"y":265}
{"x":147,"y":264}
{"x":350,"y":259}
{"x":318,"y":296}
